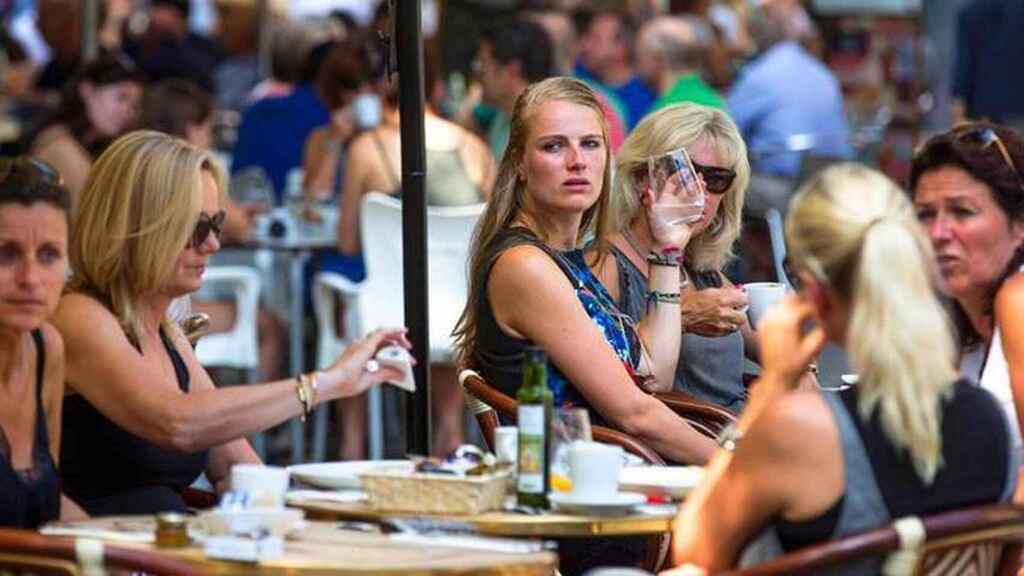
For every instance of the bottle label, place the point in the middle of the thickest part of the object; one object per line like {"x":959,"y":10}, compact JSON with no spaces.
{"x":531,"y":449}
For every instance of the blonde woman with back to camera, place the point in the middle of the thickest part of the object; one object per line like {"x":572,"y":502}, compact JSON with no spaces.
{"x":142,"y":417}
{"x":810,"y":466}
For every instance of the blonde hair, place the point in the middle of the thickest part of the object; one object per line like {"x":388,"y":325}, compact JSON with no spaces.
{"x":506,"y":203}
{"x":681,"y":126}
{"x":855,"y":230}
{"x":133,"y":218}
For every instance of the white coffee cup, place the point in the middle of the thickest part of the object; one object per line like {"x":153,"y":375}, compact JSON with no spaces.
{"x":366,"y":110}
{"x":762,"y":296}
{"x":266,"y":485}
{"x":506,"y":443}
{"x":594,"y":470}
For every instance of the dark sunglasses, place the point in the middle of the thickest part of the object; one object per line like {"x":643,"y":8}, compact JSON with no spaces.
{"x":984,"y":138}
{"x":204,"y":226}
{"x":23,"y":170}
{"x":716,"y":180}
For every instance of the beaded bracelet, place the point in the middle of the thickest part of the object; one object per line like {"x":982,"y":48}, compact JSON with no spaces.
{"x":656,"y":259}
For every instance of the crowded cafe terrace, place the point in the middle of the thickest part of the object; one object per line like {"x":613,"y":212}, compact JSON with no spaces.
{"x":604,"y":287}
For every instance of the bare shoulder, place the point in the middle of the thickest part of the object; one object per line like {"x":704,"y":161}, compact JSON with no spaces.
{"x":795,"y":425}
{"x":524,"y":266}
{"x":1010,"y":296}
{"x":80,"y":318}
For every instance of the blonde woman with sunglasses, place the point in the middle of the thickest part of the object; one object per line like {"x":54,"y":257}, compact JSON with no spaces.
{"x":715,"y":330}
{"x":142,"y":418}
{"x":809,"y":465}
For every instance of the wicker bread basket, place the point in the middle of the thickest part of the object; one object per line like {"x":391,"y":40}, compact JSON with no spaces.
{"x":435,"y":493}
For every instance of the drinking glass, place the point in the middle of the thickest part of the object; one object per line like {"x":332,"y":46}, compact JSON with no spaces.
{"x":678,"y":195}
{"x":568,"y":425}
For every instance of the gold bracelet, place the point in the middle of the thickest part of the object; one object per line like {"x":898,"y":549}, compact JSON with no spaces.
{"x":303,"y":394}
{"x":314,"y":388}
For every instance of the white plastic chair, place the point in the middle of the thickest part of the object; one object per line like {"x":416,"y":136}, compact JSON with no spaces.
{"x":378,"y":300}
{"x":239,"y":347}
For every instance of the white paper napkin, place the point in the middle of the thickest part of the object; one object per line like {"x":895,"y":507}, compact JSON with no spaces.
{"x":345,"y":496}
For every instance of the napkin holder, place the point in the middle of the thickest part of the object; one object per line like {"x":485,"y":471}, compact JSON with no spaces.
{"x":255,"y":548}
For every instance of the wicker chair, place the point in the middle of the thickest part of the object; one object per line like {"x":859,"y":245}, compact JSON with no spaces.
{"x":28,"y":552}
{"x":983,"y":540}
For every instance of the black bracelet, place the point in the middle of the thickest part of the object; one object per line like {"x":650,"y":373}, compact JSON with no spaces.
{"x":655,"y":259}
{"x":662,"y":297}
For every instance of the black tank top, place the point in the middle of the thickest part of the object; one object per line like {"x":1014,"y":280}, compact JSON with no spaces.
{"x":109,"y":470}
{"x":30,"y":497}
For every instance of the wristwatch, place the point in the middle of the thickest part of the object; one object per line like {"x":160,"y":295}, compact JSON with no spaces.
{"x":729,"y":437}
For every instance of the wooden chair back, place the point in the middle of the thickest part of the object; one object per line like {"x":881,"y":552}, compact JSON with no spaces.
{"x":28,"y":552}
{"x":982,"y":540}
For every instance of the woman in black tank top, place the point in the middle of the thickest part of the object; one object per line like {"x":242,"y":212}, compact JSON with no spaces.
{"x":143,"y":418}
{"x":33,"y":248}
{"x":908,"y":439}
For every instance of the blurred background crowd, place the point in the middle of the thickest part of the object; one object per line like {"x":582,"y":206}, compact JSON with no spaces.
{"x":294,"y":98}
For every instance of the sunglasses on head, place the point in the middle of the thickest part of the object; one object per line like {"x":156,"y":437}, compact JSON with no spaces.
{"x":983,"y":138}
{"x":23,"y":170}
{"x":716,"y":180}
{"x":204,"y":226}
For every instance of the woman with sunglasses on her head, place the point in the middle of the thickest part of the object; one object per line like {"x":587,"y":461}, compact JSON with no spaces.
{"x":811,"y":465}
{"x":969,"y":195}
{"x":530,"y":283}
{"x":33,"y":262}
{"x":143,"y":418}
{"x":716,"y":333}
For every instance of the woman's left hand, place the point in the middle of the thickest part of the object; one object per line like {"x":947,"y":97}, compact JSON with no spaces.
{"x":786,"y":351}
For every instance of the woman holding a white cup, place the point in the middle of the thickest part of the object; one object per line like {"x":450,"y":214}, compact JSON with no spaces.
{"x":804,"y":466}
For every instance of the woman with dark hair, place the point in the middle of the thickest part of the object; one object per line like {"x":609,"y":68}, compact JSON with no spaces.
{"x":98,"y":105}
{"x":968,"y":191}
{"x":33,"y":262}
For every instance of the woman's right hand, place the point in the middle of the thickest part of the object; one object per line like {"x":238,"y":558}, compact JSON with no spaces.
{"x":349,"y":376}
{"x":664,"y":233}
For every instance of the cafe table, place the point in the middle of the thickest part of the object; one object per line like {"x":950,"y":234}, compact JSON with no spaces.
{"x":325,"y":548}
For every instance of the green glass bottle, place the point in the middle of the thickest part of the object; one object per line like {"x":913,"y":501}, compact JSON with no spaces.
{"x":534,"y":419}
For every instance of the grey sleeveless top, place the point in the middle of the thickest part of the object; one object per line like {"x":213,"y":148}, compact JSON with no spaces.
{"x":709,"y":368}
{"x":863,"y":506}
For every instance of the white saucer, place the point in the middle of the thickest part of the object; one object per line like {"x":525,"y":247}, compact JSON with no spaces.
{"x":616,"y":504}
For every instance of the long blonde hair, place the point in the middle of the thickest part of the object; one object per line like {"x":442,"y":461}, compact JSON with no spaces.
{"x":680,"y":126}
{"x":855,"y":230}
{"x":506,"y":203}
{"x":134,"y":217}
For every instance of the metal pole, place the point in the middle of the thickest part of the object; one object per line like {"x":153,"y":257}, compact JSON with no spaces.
{"x":89,"y":27}
{"x":265,"y":22}
{"x":409,"y":45}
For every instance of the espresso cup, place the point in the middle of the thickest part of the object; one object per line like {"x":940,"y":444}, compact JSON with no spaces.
{"x":594,"y":470}
{"x":266,"y":485}
{"x":762,"y":296}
